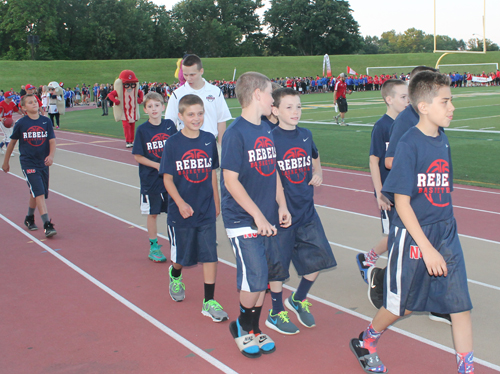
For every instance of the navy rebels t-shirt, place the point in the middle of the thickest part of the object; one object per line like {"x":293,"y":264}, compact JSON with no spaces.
{"x":33,"y":136}
{"x":381,"y":135}
{"x":190,"y":162}
{"x":248,"y":150}
{"x":149,"y":142}
{"x":422,"y":169}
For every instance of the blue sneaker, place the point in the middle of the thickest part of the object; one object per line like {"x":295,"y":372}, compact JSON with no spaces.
{"x":301,"y":309}
{"x":281,"y":323}
{"x":363,"y":269}
{"x":155,"y":253}
{"x":246,"y":341}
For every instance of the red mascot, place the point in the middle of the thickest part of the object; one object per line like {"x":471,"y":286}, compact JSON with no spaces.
{"x":127,"y":96}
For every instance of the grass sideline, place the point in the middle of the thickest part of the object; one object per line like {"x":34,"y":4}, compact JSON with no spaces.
{"x":474,"y":153}
{"x":162,"y":70}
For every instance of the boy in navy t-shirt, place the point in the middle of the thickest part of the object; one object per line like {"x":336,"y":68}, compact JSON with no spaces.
{"x":426,"y":266}
{"x":148,"y":148}
{"x":395,"y":95}
{"x":304,"y":243}
{"x":253,"y":204}
{"x":37,"y":146}
{"x":188,"y":165}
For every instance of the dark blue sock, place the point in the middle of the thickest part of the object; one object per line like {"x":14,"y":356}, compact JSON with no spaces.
{"x":304,"y":287}
{"x":277,"y":298}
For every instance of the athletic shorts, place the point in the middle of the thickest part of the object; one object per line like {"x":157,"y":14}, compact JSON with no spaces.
{"x":307,"y":247}
{"x":257,"y":262}
{"x":386,"y":219}
{"x":154,"y":203}
{"x":38,"y":181}
{"x":408,"y":285}
{"x":190,"y":245}
{"x":342,"y":104}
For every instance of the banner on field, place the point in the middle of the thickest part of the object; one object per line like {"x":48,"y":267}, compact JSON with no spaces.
{"x":326,"y":63}
{"x":351,"y":71}
{"x":481,"y":79}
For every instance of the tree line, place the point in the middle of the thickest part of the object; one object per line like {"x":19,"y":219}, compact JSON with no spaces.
{"x":137,"y":29}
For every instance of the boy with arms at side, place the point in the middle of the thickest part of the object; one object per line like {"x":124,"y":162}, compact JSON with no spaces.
{"x":253,"y":204}
{"x":148,"y":148}
{"x":304,"y":243}
{"x":188,"y":165}
{"x":426,"y":267}
{"x":37,"y":146}
{"x":395,"y":95}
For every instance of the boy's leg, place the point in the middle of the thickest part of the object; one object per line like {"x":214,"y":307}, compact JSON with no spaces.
{"x":278,"y":319}
{"x":298,"y":303}
{"x":367,"y":260}
{"x":176,"y":288}
{"x":48,"y":226}
{"x":462,"y":339}
{"x":29,"y":220}
{"x":211,"y":308}
{"x":155,"y":253}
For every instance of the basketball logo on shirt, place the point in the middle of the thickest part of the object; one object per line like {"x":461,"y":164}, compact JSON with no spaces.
{"x":35,"y":136}
{"x":195,"y":166}
{"x":263,"y":156}
{"x":295,"y":165}
{"x":157,"y":143}
{"x":435,"y":182}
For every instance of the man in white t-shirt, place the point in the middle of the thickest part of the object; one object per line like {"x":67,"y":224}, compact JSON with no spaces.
{"x":216,"y":110}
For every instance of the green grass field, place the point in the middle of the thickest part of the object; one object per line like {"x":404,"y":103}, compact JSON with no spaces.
{"x":474,"y":133}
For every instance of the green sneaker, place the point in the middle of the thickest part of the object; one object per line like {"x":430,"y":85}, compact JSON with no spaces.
{"x":214,"y":310}
{"x":155,"y":253}
{"x":176,"y":288}
{"x":281,"y":323}
{"x":301,"y":309}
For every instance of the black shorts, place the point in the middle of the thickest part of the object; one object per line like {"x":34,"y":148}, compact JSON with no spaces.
{"x":154,"y":203}
{"x":38,"y":181}
{"x":190,"y":245}
{"x":342,"y":104}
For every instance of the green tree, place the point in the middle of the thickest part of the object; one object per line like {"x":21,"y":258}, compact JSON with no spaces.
{"x":475,"y":44}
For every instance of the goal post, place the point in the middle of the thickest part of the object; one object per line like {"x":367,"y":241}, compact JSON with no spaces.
{"x":469,"y":68}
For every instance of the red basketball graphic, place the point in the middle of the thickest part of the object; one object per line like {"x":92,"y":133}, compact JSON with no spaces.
{"x":193,"y":172}
{"x":296,"y":174}
{"x":266,"y":165}
{"x":36,"y":136}
{"x":158,"y":143}
{"x":438,"y":167}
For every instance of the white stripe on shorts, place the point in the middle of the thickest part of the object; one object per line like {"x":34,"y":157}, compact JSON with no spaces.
{"x":393,"y":300}
{"x":173,"y":243}
{"x":385,"y":222}
{"x":29,"y":184}
{"x":244,"y":281}
{"x":145,"y":208}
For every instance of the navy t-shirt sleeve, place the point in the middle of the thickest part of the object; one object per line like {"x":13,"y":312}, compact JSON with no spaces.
{"x":165,"y":166}
{"x":138,"y":148}
{"x":401,"y":179}
{"x":232,"y":151}
{"x":315,"y":152}
{"x":377,"y":146}
{"x":215,"y":156}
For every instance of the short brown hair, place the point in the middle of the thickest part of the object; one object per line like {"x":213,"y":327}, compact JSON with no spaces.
{"x":388,"y":87}
{"x":281,"y":93}
{"x":246,"y":85}
{"x":191,"y":60}
{"x":24,"y":98}
{"x":420,"y":68}
{"x":187,"y":101}
{"x":155,"y":96}
{"x":425,"y":85}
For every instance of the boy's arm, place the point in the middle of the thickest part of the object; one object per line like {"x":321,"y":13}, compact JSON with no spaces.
{"x":240,"y":195}
{"x":49,"y":160}
{"x":184,"y":208}
{"x":216,"y":193}
{"x":8,"y":152}
{"x":388,"y":162}
{"x":221,"y":128}
{"x":317,"y":177}
{"x":382,"y":201}
{"x":284,"y":215}
{"x":146,"y":161}
{"x":435,"y":263}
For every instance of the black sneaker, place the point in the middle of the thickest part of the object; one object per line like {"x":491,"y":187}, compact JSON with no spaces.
{"x":438,"y":317}
{"x":29,"y":222}
{"x":376,"y":286}
{"x":49,"y":229}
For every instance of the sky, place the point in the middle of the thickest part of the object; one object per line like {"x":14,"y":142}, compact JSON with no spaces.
{"x":459,"y":19}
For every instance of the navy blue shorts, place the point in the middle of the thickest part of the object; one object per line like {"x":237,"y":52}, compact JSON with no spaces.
{"x":408,"y":285}
{"x":190,"y":245}
{"x":38,"y":181}
{"x":154,"y":203}
{"x":257,"y":262}
{"x":307,"y":247}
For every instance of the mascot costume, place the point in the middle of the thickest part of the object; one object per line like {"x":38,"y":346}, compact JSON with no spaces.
{"x":127,"y":96}
{"x":55,"y":102}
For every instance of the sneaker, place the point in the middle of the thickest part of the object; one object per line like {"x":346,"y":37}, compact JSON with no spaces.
{"x":155,"y":254}
{"x":370,"y":363}
{"x":29,"y":222}
{"x":438,"y":317}
{"x":281,"y":323}
{"x":176,"y":288}
{"x":49,"y":229}
{"x":301,"y":309}
{"x":214,"y":310}
{"x":336,"y":118}
{"x":245,"y":340}
{"x":375,"y":291}
{"x":129,"y":145}
{"x":363,"y":269}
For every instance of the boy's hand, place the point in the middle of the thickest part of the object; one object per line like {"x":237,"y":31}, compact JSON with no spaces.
{"x":185,"y":210}
{"x":316,"y":180}
{"x":49,"y":160}
{"x":5,"y":166}
{"x":264,"y":228}
{"x":435,"y":263}
{"x":285,"y":217}
{"x":383,"y":203}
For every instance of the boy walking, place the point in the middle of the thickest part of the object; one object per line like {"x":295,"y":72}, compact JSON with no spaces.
{"x":426,"y":268}
{"x":395,"y":95}
{"x":37,"y":146}
{"x":188,"y":165}
{"x":304,"y":243}
{"x":148,"y":148}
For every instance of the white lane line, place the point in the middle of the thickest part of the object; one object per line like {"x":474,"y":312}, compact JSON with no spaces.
{"x":94,"y":145}
{"x":179,"y":338}
{"x":99,"y":158}
{"x":89,"y":135}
